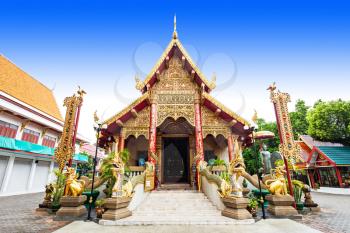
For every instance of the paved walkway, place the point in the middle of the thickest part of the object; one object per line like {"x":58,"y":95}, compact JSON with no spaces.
{"x":334,"y":215}
{"x":17,"y":214}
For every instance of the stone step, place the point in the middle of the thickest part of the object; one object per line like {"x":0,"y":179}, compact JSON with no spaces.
{"x":176,"y":207}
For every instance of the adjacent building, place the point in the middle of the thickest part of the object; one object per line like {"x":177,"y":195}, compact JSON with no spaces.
{"x":327,"y":164}
{"x":30,"y":128}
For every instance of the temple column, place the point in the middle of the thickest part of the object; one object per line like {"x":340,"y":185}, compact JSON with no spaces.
{"x":198,"y":130}
{"x":121,"y":140}
{"x":230,"y":145}
{"x":152,"y":131}
{"x":198,"y":138}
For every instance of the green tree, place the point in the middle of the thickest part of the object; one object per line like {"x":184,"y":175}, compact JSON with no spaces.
{"x":252,"y":159}
{"x":330,"y":121}
{"x":298,"y":119}
{"x":251,"y":155}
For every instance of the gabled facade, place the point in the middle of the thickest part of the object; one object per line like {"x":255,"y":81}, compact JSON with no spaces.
{"x":175,"y":119}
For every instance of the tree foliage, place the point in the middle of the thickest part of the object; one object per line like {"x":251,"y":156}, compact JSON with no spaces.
{"x":330,"y":121}
{"x":298,"y":119}
{"x":252,"y":159}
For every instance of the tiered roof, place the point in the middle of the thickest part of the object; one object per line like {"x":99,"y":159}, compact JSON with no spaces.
{"x":20,"y":85}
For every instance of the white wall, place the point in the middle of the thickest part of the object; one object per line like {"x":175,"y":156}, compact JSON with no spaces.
{"x":19,"y":177}
{"x":40,"y":176}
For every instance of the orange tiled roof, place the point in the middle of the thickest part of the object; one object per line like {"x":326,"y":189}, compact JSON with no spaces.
{"x":17,"y":83}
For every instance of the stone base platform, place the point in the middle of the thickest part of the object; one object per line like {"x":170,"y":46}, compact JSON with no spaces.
{"x":281,"y":206}
{"x":116,"y":209}
{"x":236,"y":208}
{"x":72,"y":207}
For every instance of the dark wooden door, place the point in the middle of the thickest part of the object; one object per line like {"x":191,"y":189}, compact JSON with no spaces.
{"x":175,"y":160}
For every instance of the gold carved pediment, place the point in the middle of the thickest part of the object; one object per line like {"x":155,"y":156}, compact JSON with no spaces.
{"x":175,"y":93}
{"x":138,"y":125}
{"x":213,"y":124}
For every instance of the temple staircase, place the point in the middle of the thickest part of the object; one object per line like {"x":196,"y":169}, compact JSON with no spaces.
{"x":167,"y":207}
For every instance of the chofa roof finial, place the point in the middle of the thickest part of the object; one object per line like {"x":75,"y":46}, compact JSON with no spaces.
{"x":175,"y":32}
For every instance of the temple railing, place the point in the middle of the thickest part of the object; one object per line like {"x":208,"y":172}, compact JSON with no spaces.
{"x":218,"y":170}
{"x":210,"y":185}
{"x":134,"y":171}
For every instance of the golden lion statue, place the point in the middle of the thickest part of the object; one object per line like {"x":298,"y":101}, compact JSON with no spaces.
{"x":74,"y":187}
{"x":277,"y":185}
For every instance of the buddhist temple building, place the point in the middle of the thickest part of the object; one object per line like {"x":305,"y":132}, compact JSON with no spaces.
{"x":30,"y":128}
{"x":175,"y":120}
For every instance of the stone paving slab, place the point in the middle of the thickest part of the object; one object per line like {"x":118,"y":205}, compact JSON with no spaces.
{"x":334,"y":216}
{"x":17,"y":215}
{"x":263,"y":226}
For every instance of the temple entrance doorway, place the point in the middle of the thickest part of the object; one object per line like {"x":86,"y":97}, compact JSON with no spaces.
{"x":176,"y":160}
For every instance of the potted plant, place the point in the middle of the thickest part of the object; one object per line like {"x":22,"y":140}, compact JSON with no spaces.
{"x":253,"y":206}
{"x":99,"y":207}
{"x":297,"y":197}
{"x":219,"y":165}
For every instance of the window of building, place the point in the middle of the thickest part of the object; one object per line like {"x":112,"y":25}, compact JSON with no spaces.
{"x":49,"y":141}
{"x":8,"y":130}
{"x":30,"y":136}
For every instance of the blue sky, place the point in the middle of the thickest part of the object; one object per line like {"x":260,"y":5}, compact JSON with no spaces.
{"x":101,"y":45}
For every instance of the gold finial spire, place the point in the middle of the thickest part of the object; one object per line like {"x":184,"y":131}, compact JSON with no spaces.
{"x":175,"y":32}
{"x":255,"y":117}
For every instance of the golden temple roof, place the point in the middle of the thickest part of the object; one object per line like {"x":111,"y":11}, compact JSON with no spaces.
{"x":175,"y":42}
{"x":18,"y":84}
{"x":126,"y":109}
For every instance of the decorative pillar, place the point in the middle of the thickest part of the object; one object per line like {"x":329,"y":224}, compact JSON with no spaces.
{"x":230,"y":145}
{"x":198,"y":131}
{"x":198,"y":138}
{"x":152,"y":131}
{"x":159,"y":162}
{"x":121,"y":140}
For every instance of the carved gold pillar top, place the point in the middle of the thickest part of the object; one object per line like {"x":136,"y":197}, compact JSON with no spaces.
{"x":288,"y":148}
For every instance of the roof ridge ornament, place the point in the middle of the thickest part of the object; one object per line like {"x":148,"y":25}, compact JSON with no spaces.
{"x":175,"y":32}
{"x":139,"y":84}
